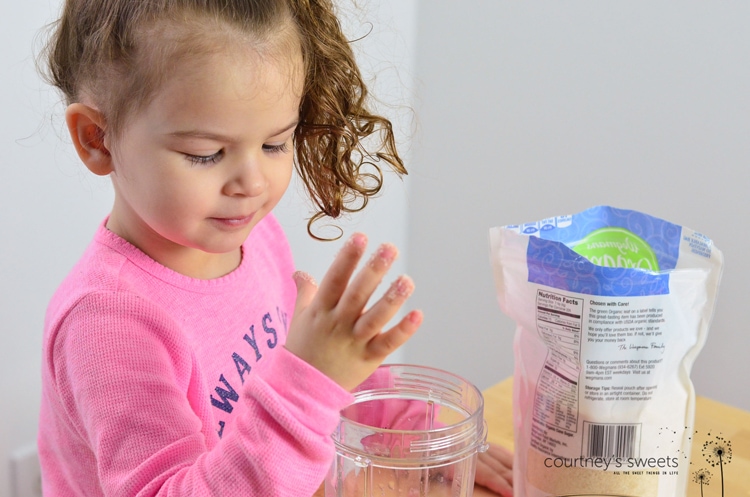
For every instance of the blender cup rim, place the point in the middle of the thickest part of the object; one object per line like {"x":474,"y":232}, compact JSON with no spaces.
{"x":439,"y":445}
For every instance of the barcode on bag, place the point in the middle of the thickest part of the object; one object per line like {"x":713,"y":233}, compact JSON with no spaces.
{"x":611,"y":440}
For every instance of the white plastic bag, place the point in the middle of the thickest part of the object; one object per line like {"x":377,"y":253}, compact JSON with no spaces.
{"x":612,"y":307}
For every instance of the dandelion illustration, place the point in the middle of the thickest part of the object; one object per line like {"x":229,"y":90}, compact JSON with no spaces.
{"x":702,"y":476}
{"x":718,"y":452}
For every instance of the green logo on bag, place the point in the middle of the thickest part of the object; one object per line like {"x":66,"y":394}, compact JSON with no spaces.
{"x":617,"y":247}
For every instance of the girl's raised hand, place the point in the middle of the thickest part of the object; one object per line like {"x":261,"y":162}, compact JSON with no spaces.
{"x":333,"y":331}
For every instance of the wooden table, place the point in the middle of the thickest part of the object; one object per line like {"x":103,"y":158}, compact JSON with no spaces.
{"x":711,"y":417}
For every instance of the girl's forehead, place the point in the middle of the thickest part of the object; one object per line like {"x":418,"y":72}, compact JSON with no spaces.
{"x":186,"y":49}
{"x":230,"y":86}
{"x":200,"y":36}
{"x":178,"y":52}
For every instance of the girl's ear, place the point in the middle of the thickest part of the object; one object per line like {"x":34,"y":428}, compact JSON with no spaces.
{"x":86,"y":127}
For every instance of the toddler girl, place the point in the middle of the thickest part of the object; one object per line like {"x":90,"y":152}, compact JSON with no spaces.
{"x":183,"y":355}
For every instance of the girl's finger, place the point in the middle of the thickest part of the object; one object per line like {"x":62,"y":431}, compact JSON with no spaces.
{"x":337,"y":277}
{"x":385,"y":343}
{"x":495,"y":470}
{"x":306,"y":289}
{"x":496,"y":482}
{"x":356,"y":296}
{"x":501,"y":454}
{"x":492,"y":480}
{"x":372,"y":321}
{"x":499,"y":460}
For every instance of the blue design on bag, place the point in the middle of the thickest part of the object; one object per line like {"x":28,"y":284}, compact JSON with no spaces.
{"x":551,"y":261}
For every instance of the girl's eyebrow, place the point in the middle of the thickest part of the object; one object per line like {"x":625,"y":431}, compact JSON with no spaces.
{"x":217,"y":137}
{"x":291,"y":125}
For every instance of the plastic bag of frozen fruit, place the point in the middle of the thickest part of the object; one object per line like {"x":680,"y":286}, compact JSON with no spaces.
{"x":612,"y":307}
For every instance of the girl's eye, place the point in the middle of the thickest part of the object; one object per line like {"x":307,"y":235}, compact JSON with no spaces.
{"x":277,"y":149}
{"x":205,"y":159}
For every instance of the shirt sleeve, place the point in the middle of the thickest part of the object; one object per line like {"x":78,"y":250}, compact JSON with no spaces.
{"x":128,"y":385}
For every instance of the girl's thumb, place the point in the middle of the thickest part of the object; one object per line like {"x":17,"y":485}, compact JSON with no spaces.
{"x":306,"y":288}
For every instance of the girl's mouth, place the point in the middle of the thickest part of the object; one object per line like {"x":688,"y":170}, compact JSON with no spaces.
{"x":233,"y":222}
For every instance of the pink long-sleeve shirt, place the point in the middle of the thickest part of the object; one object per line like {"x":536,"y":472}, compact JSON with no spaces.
{"x":155,"y":383}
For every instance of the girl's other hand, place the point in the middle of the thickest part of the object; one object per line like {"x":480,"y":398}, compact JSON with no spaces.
{"x":495,"y":470}
{"x":332,"y":330}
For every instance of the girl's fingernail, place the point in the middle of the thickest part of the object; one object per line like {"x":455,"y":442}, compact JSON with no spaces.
{"x":301,"y":275}
{"x":415,"y":317}
{"x":383,"y":257}
{"x":399,"y":290}
{"x":358,"y":241}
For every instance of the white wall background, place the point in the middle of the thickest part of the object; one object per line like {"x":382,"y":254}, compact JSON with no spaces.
{"x":524,"y":110}
{"x":529,"y":110}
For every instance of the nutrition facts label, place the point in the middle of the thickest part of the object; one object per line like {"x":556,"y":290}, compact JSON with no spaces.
{"x":559,"y":323}
{"x":558,"y":320}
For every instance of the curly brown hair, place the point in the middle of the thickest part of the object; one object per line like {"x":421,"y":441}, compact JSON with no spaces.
{"x":97,"y":49}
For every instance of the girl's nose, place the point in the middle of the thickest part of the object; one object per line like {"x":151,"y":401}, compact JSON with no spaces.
{"x":247,"y":181}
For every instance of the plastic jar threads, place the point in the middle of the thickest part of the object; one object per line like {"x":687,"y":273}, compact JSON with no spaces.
{"x":411,"y":431}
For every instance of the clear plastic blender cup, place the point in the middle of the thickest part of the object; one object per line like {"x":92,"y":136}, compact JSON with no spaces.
{"x":412,"y":431}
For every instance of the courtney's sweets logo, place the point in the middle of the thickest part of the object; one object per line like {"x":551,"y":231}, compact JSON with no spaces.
{"x":617,"y":247}
{"x":717,"y":452}
{"x":656,"y":465}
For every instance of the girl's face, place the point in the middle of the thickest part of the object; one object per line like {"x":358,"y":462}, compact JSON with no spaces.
{"x":200,"y":166}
